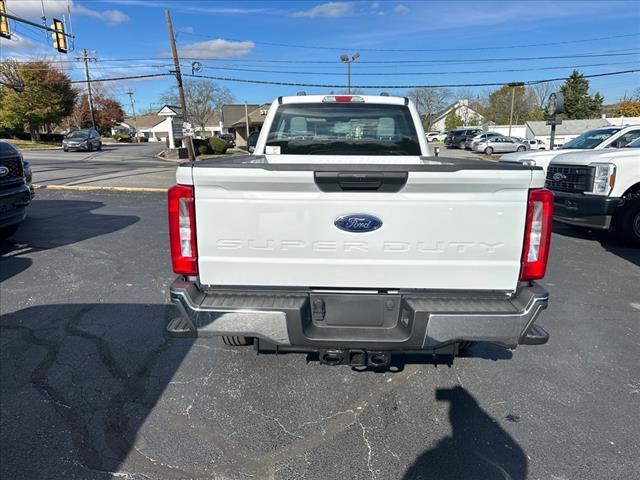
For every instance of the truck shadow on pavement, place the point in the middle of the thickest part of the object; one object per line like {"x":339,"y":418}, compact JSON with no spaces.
{"x":55,"y":223}
{"x":608,"y":241}
{"x":478,"y":448}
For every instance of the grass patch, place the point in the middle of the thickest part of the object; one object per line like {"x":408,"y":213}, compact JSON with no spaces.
{"x":29,"y":145}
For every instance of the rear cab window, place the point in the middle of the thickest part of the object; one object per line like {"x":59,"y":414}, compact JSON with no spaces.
{"x":354,"y":128}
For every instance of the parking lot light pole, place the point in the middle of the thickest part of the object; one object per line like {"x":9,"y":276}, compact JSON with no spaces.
{"x":349,"y":61}
{"x":513,"y":86}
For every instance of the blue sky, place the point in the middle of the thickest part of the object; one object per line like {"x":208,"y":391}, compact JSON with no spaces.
{"x":466,"y":42}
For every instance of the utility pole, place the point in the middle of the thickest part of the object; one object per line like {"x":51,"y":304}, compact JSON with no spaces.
{"x":246,"y":122}
{"x":86,"y":59}
{"x":176,"y":62}
{"x":133,"y":111}
{"x":513,"y":86}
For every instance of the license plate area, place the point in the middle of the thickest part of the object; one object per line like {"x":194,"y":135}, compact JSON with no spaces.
{"x":355,"y":310}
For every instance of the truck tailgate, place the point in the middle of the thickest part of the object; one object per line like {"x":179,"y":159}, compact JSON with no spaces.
{"x":454,"y":230}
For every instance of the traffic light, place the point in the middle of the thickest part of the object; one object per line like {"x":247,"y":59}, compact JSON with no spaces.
{"x":59,"y":38}
{"x":5,"y":32}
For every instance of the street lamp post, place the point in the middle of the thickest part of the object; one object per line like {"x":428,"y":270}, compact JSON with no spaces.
{"x":349,"y":61}
{"x":513,"y":86}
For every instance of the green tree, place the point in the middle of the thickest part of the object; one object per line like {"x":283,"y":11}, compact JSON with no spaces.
{"x":452,"y":121}
{"x":578,"y":104}
{"x":524,"y":105}
{"x":47,"y":96}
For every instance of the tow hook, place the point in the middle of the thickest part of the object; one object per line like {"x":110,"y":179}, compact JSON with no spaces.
{"x":355,"y":358}
{"x":378,"y":359}
{"x":332,"y":357}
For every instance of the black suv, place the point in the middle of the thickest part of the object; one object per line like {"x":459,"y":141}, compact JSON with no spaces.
{"x":456,"y":138}
{"x":15,"y":189}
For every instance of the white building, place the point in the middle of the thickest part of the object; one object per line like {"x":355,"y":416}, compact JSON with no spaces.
{"x":468,"y":115}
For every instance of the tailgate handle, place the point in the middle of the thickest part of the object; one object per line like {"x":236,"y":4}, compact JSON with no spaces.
{"x":360,"y":181}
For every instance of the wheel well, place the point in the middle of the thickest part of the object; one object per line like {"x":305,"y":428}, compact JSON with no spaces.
{"x":632,"y":192}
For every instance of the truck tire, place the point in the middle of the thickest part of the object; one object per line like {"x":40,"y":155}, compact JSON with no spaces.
{"x":628,"y":226}
{"x":236,"y":341}
{"x":6,"y":232}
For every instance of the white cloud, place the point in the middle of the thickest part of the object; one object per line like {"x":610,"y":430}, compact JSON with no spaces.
{"x":32,"y":10}
{"x":216,"y":49}
{"x":19,"y":46}
{"x":185,"y":30}
{"x":330,"y":9}
{"x":401,"y":9}
{"x":375,"y":5}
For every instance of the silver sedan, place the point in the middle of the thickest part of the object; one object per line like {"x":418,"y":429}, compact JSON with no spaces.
{"x":498,"y":145}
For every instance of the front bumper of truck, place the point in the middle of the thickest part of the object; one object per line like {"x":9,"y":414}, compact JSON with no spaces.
{"x":312,"y":320}
{"x":578,"y":209}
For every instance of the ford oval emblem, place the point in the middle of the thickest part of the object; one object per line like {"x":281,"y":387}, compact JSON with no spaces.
{"x":4,"y":171}
{"x":358,"y":223}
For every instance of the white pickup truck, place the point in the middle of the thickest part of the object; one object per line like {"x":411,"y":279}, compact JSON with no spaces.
{"x":605,"y":138}
{"x":340,"y":235}
{"x":599,"y":189}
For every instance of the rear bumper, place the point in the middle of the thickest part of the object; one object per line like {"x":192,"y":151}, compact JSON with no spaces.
{"x":584,"y":210}
{"x":407,"y":321}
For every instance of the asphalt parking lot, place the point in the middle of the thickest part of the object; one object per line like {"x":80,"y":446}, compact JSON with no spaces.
{"x":123,"y":165}
{"x":91,"y":388}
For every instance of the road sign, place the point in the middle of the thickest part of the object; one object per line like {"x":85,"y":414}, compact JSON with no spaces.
{"x":187,"y":132}
{"x":186,"y":125}
{"x":554,"y":121}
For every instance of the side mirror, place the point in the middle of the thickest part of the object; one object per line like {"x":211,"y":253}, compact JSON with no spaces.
{"x":251,"y":149}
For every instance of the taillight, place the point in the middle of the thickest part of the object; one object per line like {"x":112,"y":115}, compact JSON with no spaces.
{"x":537,"y":234}
{"x":182,"y":230}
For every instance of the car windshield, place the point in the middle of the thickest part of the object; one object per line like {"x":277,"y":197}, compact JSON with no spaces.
{"x":79,"y":134}
{"x":591,"y":139}
{"x":634,"y":144}
{"x":342,"y":129}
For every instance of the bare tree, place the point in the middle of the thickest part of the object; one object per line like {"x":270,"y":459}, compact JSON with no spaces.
{"x":204,"y":100}
{"x":541,"y":91}
{"x":430,"y":101}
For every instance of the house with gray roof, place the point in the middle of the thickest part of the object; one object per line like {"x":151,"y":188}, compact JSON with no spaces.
{"x":568,"y":130}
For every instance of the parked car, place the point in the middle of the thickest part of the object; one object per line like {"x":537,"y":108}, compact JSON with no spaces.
{"x":598,"y":139}
{"x":498,"y":144}
{"x":435,"y":136}
{"x":327,"y":240}
{"x":16,"y":190}
{"x":87,"y":139}
{"x":599,"y":189}
{"x":227,"y":137}
{"x":481,"y":136}
{"x":457,"y":138}
{"x":536,"y":144}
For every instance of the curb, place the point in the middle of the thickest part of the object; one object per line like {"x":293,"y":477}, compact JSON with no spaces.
{"x":98,"y":188}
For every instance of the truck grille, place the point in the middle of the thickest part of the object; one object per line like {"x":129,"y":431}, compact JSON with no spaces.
{"x":566,"y":178}
{"x":15,"y":169}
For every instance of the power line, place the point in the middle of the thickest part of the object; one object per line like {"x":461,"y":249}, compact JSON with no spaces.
{"x":382,"y":62}
{"x":130,"y":77}
{"x":325,"y":85}
{"x":462,"y":49}
{"x":340,"y":73}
